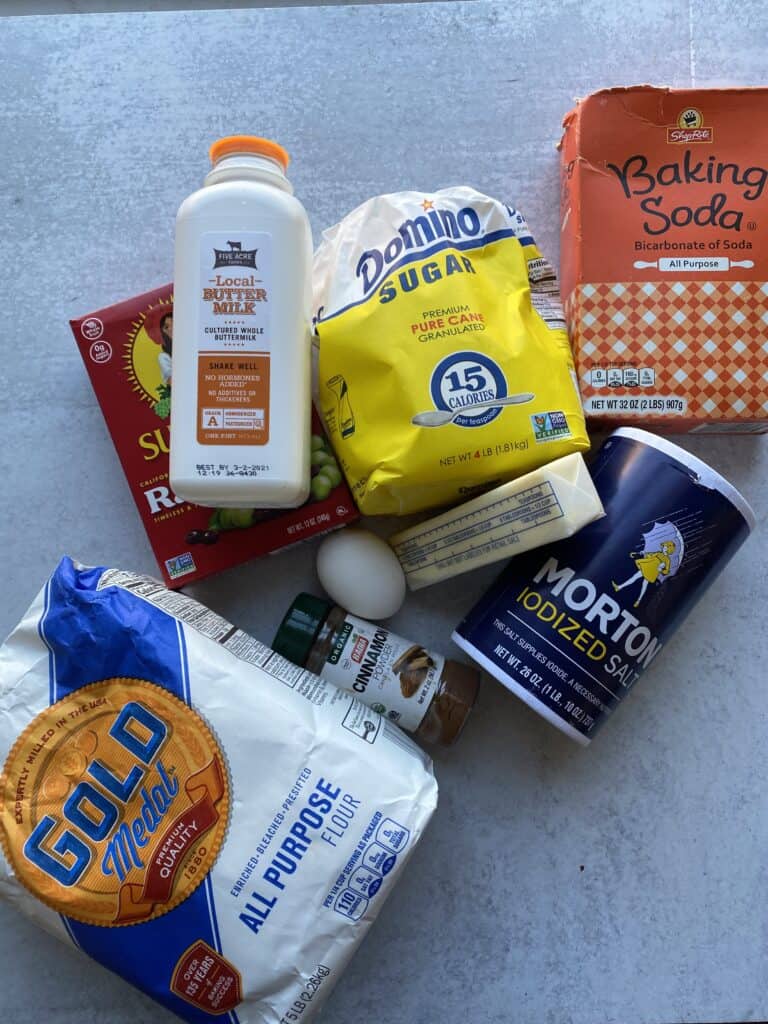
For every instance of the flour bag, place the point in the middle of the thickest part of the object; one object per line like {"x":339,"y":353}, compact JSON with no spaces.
{"x":443,"y":361}
{"x":206,"y":819}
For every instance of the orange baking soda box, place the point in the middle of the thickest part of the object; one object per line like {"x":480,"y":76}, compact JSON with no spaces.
{"x":664,"y":257}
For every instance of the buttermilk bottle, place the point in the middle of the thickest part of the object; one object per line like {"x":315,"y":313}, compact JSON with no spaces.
{"x":240,"y":365}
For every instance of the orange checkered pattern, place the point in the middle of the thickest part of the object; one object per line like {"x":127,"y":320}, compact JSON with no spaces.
{"x":706,"y":341}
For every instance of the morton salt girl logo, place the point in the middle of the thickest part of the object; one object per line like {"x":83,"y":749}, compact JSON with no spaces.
{"x":113,"y":803}
{"x":657,"y":561}
{"x":602,"y":627}
{"x":690,"y":128}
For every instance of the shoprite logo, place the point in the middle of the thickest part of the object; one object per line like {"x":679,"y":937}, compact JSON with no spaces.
{"x":690,"y":128}
{"x":235,"y":256}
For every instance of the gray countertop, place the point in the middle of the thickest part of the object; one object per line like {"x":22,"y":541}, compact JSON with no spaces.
{"x":623,"y":883}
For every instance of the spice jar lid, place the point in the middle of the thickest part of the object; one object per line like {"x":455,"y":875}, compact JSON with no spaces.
{"x":299,"y":629}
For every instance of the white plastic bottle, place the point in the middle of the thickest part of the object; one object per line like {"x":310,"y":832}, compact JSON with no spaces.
{"x":240,"y":374}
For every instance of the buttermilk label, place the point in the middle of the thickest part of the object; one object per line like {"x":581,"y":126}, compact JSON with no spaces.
{"x":234,"y":289}
{"x":233,"y":295}
{"x":640,"y":181}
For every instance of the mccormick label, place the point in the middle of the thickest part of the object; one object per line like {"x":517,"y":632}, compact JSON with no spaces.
{"x":128,"y":353}
{"x":664,"y":271}
{"x":393,"y":676}
{"x":571,"y":628}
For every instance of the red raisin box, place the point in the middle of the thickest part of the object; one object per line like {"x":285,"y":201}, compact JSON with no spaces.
{"x":127,"y":351}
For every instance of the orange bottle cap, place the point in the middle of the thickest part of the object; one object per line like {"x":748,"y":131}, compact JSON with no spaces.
{"x":248,"y":144}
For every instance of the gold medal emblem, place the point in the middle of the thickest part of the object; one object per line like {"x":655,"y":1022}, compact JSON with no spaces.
{"x":114,"y":803}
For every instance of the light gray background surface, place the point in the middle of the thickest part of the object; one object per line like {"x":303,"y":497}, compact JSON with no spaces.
{"x":622,"y":884}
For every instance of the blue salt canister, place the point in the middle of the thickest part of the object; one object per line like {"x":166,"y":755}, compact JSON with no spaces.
{"x":570,"y":628}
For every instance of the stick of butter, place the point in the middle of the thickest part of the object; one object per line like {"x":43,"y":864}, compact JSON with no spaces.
{"x":542,"y":507}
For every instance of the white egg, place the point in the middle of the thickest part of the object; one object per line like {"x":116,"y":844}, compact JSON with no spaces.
{"x":361,"y":573}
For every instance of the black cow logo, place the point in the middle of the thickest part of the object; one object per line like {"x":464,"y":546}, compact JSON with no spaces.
{"x":236,"y":256}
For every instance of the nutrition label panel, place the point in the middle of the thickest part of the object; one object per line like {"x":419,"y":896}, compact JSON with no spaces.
{"x":315,"y":689}
{"x":545,"y":294}
{"x":482,"y":531}
{"x":373,"y":859}
{"x":622,"y":377}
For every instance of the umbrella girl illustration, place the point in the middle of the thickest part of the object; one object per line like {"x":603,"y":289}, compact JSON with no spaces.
{"x":660,"y":558}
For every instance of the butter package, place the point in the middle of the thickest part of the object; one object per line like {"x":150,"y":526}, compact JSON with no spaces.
{"x":663,"y":261}
{"x":540,"y":507}
{"x":443,"y":362}
{"x":212,"y":823}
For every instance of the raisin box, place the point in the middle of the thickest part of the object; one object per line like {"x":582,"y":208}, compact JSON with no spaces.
{"x":127,"y":351}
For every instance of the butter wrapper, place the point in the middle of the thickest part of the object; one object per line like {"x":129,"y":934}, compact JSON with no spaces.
{"x":544,"y":506}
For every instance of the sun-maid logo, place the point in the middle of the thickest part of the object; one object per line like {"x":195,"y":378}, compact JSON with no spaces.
{"x":147,"y":352}
{"x":690,"y":128}
{"x":235,"y":256}
{"x":114,"y":803}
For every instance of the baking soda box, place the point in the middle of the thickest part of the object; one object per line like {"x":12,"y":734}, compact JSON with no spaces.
{"x":664,"y":257}
{"x":127,"y":351}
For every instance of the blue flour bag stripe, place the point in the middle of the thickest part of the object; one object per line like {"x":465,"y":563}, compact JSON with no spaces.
{"x":570,"y":628}
{"x":85,"y":630}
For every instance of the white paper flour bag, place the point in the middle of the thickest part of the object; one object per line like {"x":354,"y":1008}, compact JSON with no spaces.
{"x":214,"y":824}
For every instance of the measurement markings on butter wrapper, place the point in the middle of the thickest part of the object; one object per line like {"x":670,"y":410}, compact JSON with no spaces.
{"x":495,"y":525}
